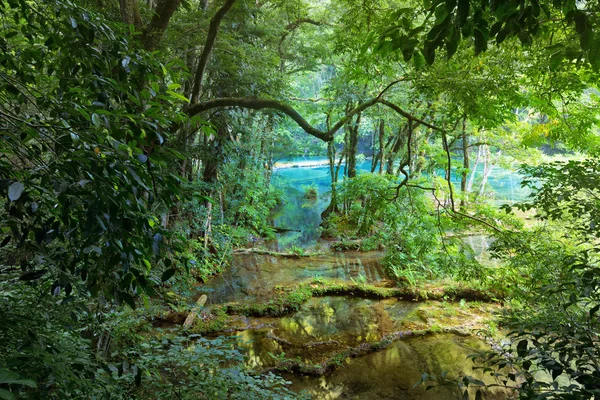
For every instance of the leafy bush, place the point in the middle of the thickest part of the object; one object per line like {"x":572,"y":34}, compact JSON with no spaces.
{"x":405,"y":222}
{"x":173,"y":365}
{"x":554,"y":347}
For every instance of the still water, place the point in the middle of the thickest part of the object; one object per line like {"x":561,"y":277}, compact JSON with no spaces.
{"x":325,"y":329}
{"x":304,"y":215}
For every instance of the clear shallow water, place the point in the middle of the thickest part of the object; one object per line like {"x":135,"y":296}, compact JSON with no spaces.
{"x":392,"y":373}
{"x":326,"y":326}
{"x":505,"y":184}
{"x":304,"y":215}
{"x":252,"y":277}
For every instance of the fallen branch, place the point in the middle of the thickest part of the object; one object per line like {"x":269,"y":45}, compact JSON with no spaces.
{"x":189,"y":321}
{"x":337,"y":360}
{"x":275,"y":253}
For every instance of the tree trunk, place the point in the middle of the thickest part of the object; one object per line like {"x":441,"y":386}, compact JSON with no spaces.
{"x":213,"y":29}
{"x":465,"y":148}
{"x":488,"y":167}
{"x":130,"y":14}
{"x":158,"y":25}
{"x":378,"y":159}
{"x":473,"y":171}
{"x":332,"y":208}
{"x":353,"y":147}
{"x":398,"y":145}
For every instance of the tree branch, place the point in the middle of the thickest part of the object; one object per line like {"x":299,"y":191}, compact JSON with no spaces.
{"x":259,"y":104}
{"x":326,"y":136}
{"x":158,"y":25}
{"x":310,"y":99}
{"x":213,"y":29}
{"x":407,"y":115}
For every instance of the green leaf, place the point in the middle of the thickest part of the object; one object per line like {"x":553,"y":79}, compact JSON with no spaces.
{"x":8,"y":377}
{"x":6,"y":395}
{"x":15,"y":191}
{"x":441,"y":12}
{"x":137,"y":178}
{"x":33,"y":275}
{"x":418,"y":60}
{"x":5,"y":241}
{"x":481,"y":38}
{"x":429,"y":52}
{"x":594,"y":54}
{"x":168,"y":274}
{"x":463,"y":11}
{"x":96,"y":120}
{"x":556,"y":371}
{"x":522,"y":348}
{"x":556,"y":59}
{"x":178,"y":96}
{"x":585,"y":39}
{"x":128,"y":299}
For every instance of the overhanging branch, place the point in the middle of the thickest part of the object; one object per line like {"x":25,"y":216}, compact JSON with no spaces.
{"x":213,"y":29}
{"x":259,"y":104}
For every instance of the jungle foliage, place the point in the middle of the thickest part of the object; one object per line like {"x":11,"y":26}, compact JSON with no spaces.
{"x":138,"y":146}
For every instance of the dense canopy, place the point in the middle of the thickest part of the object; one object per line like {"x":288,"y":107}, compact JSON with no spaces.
{"x":143,"y":155}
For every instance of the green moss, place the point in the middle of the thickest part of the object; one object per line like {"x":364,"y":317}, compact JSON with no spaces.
{"x":290,"y":299}
{"x":338,"y":360}
{"x":217,"y":320}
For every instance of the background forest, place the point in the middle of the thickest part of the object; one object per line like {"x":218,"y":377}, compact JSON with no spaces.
{"x":140,"y":148}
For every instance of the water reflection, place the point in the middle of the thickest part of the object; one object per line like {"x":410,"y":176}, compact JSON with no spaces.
{"x":391,"y":373}
{"x":322,"y":327}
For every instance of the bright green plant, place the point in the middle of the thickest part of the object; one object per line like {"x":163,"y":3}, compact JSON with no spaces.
{"x":85,"y":178}
{"x":554,"y":347}
{"x":296,"y":250}
{"x":188,"y":367}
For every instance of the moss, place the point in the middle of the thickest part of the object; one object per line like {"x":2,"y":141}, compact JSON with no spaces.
{"x":290,"y":299}
{"x":214,"y":321}
{"x":338,"y":360}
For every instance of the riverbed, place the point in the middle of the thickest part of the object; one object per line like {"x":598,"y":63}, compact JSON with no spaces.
{"x":349,"y":345}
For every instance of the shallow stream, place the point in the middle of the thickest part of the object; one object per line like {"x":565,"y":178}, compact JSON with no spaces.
{"x":353,"y":348}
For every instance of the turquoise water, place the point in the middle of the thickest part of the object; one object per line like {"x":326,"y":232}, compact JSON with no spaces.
{"x":504,"y":184}
{"x":304,"y":215}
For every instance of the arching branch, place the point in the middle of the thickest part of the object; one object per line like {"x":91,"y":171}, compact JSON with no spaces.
{"x":213,"y":29}
{"x":259,"y":104}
